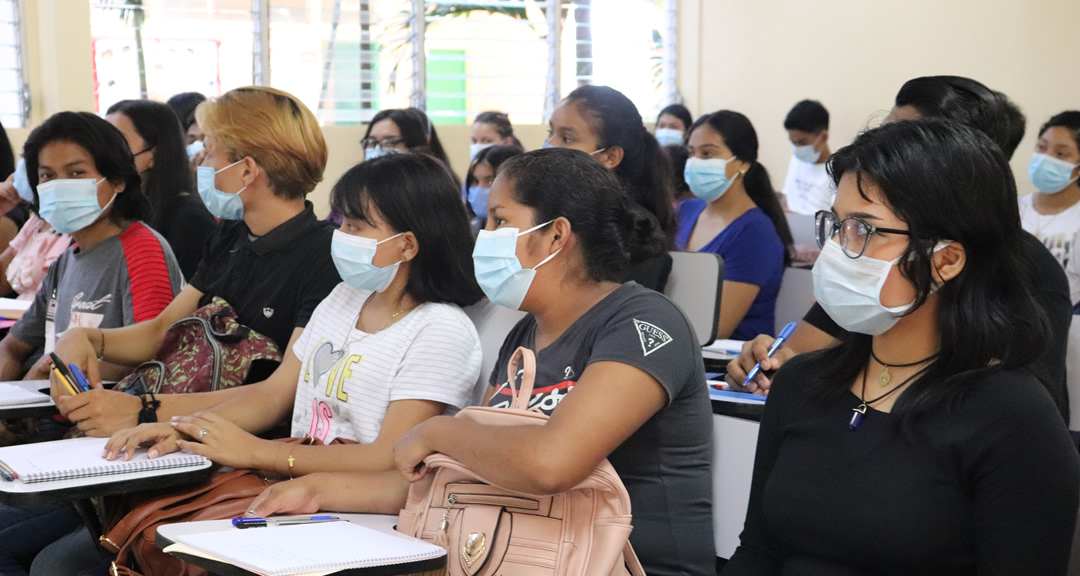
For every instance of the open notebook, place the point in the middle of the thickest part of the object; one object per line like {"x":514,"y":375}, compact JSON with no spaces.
{"x":306,"y":549}
{"x":13,"y":309}
{"x":81,"y":458}
{"x":12,"y":395}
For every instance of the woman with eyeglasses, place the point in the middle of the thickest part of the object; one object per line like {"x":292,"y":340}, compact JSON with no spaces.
{"x":922,"y":443}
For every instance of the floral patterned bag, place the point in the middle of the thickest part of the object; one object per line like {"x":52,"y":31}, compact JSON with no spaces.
{"x":209,"y":351}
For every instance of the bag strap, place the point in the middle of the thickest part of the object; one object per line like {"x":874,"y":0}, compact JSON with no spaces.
{"x":632,"y":562}
{"x":521,"y":395}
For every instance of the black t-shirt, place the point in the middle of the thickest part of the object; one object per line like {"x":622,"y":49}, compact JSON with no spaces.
{"x":665,"y":464}
{"x":187,"y":225}
{"x":273,"y":281}
{"x":1052,"y":291}
{"x":988,"y":486}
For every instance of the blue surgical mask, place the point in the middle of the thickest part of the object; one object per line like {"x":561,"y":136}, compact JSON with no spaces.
{"x":476,"y":148}
{"x":807,"y":154}
{"x":669,"y":136}
{"x":22,"y":182}
{"x":497,"y":268}
{"x":707,"y":178}
{"x":547,"y":144}
{"x":69,"y":205}
{"x":1050,"y":175}
{"x":376,"y":152}
{"x":194,"y":148}
{"x":220,"y":204}
{"x":478,"y":197}
{"x":352,"y":257}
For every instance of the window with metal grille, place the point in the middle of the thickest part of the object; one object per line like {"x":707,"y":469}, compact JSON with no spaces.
{"x":157,"y":48}
{"x":14,"y":99}
{"x":347,"y":59}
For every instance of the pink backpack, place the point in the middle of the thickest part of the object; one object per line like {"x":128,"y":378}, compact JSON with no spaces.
{"x":489,"y":530}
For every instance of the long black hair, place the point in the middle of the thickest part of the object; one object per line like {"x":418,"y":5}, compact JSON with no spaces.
{"x":741,"y":138}
{"x":170,"y":176}
{"x":109,"y":150}
{"x":612,"y":229}
{"x":415,"y":193}
{"x":928,"y":171}
{"x":644,"y":169}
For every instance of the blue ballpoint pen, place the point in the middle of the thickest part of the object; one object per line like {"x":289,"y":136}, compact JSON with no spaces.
{"x":784,"y":335}
{"x":253,"y":522}
{"x":80,"y":379}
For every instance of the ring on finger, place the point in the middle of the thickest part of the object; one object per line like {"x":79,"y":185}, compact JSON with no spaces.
{"x":202,"y":433}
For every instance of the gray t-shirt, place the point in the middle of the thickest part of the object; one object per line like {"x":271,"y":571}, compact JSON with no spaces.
{"x":122,"y":280}
{"x":666,"y":464}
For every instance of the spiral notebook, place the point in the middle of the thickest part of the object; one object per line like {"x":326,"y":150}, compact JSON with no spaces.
{"x":12,"y":395}
{"x":307,"y":548}
{"x":81,"y":458}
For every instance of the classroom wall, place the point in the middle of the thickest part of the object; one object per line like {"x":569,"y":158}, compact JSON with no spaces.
{"x":760,"y":57}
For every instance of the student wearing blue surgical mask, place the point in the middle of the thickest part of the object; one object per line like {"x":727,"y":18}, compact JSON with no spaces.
{"x":807,"y":187}
{"x":735,"y":214}
{"x":1052,"y":211}
{"x":481,"y":175}
{"x":120,"y":270}
{"x":605,"y":124}
{"x":926,"y":413}
{"x":673,"y":125}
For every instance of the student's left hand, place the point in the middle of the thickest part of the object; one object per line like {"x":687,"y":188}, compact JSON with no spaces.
{"x":223,"y":442}
{"x":101,"y":413}
{"x":299,"y":496}
{"x":412,"y":448}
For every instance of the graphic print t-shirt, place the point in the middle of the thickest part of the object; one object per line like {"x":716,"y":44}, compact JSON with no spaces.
{"x":122,"y":280}
{"x":349,"y":378}
{"x":808,"y":187}
{"x":1058,"y":232}
{"x":665,"y":464}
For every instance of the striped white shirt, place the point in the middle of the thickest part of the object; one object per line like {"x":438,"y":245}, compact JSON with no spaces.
{"x":349,"y":378}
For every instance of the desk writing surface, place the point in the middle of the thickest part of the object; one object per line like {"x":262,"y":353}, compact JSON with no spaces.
{"x":38,"y":410}
{"x":18,"y":493}
{"x":168,"y":533}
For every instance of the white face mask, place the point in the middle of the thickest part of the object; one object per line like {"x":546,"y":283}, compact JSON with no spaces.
{"x":476,"y":148}
{"x":807,"y":154}
{"x":849,"y":289}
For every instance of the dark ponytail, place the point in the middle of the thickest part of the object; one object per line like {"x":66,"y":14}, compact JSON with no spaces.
{"x":739,"y":136}
{"x":612,"y":230}
{"x":644,"y":169}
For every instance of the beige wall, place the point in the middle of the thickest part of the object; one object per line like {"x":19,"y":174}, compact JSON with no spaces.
{"x":759,"y":57}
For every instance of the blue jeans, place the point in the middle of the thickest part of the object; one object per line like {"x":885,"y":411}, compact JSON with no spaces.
{"x":71,"y":555}
{"x":26,"y":530}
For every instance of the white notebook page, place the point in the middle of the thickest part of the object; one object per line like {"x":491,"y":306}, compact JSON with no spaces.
{"x":12,"y":395}
{"x":81,"y":458}
{"x":287,"y":550}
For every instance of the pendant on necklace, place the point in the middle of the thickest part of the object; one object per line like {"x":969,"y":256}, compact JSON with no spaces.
{"x":857,"y":418}
{"x":885,"y":377}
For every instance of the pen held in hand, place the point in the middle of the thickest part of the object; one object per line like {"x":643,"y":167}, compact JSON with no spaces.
{"x":784,"y":335}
